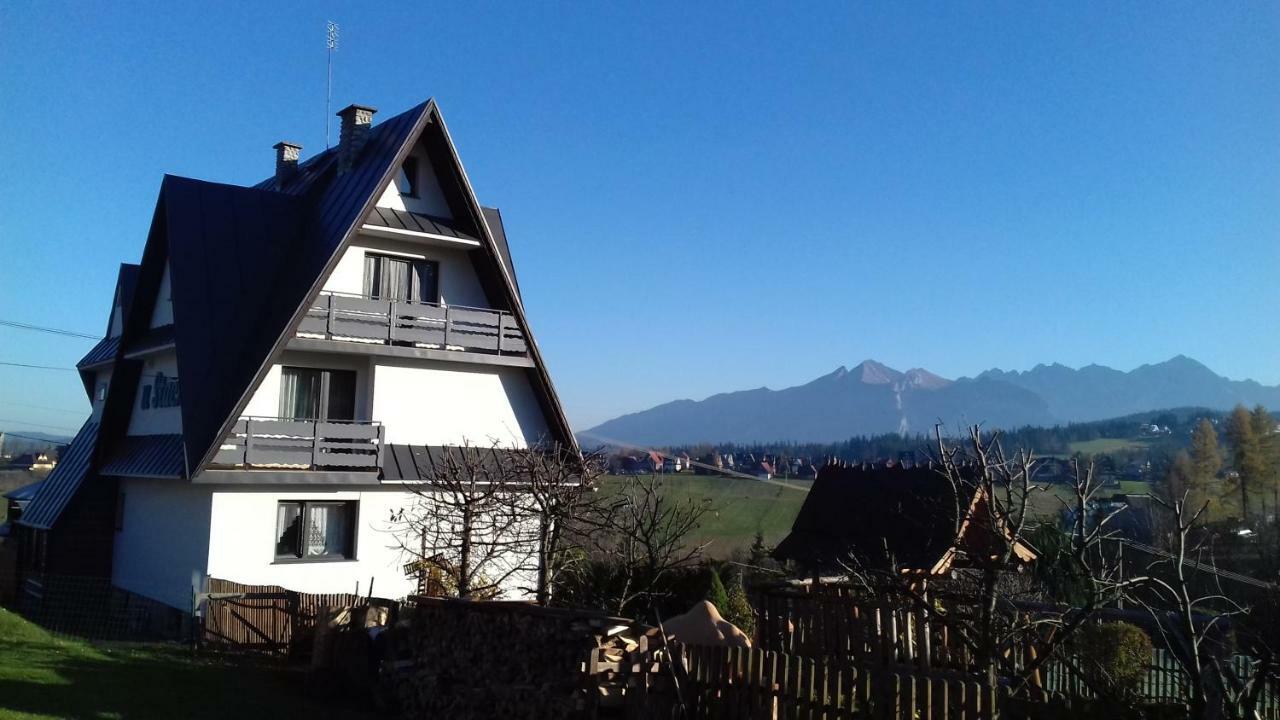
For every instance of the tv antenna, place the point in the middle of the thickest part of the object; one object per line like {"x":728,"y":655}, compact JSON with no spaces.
{"x":331,"y":43}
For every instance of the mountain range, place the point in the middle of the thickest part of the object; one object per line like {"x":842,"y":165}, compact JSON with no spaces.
{"x":873,"y":398}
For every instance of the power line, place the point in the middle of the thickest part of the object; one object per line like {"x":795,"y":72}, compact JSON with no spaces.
{"x":51,"y":427}
{"x":43,"y":407}
{"x":6,"y":433}
{"x":37,"y":367}
{"x":54,"y":331}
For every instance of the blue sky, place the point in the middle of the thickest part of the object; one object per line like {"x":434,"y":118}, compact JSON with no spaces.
{"x":704,"y":197}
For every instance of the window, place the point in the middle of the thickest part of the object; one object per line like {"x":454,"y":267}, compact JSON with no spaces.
{"x":394,"y":278}
{"x":315,"y":530}
{"x":407,"y":181}
{"x":315,"y":394}
{"x":102,"y":392}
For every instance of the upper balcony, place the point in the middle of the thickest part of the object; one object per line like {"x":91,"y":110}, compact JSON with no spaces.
{"x":340,"y":322}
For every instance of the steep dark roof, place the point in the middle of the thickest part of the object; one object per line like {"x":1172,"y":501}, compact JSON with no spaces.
{"x":493,"y":216}
{"x":149,"y":456}
{"x":24,"y":493}
{"x":419,"y":463}
{"x":104,"y":351}
{"x":415,"y":222}
{"x":870,"y":513}
{"x":57,"y":489}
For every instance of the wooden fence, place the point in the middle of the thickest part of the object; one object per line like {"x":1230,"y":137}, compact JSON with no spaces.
{"x":754,"y":683}
{"x":264,"y":618}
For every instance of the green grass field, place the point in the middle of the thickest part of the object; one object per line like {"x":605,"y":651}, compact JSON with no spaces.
{"x":1104,"y":446}
{"x":42,"y":676}
{"x":740,"y":508}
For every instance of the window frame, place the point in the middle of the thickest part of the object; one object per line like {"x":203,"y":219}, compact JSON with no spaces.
{"x":326,"y":384}
{"x":298,"y":555}
{"x":415,"y":284}
{"x":411,"y":171}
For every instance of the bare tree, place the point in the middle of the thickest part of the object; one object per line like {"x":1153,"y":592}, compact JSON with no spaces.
{"x":466,"y":526}
{"x":1194,"y":615}
{"x":645,"y":537}
{"x":992,"y":605}
{"x":556,"y":484}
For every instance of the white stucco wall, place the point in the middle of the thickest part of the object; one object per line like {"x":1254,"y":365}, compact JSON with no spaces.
{"x":459,"y":284}
{"x":156,"y":420}
{"x":266,"y":399}
{"x":430,"y":200}
{"x":446,"y":403}
{"x":243,"y":536}
{"x":161,"y":550}
{"x":162,"y":313}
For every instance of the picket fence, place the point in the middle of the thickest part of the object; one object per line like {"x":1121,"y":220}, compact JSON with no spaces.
{"x":767,"y":685}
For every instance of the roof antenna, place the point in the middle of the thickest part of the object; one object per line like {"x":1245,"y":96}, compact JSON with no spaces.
{"x":331,"y":43}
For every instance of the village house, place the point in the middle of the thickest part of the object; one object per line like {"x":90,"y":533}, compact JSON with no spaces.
{"x":278,"y":363}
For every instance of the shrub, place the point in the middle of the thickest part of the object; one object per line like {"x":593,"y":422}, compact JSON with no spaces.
{"x":1113,"y":657}
{"x":738,"y":609}
{"x":716,"y":594}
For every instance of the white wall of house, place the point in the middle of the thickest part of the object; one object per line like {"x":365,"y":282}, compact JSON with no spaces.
{"x":447,"y":403}
{"x":162,"y":546}
{"x":243,"y":539}
{"x":459,"y":284}
{"x":162,"y":313}
{"x":154,"y":420}
{"x":430,"y":200}
{"x":266,"y":399}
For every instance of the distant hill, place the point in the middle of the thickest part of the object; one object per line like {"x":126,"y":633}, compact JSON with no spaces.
{"x":872,"y":399}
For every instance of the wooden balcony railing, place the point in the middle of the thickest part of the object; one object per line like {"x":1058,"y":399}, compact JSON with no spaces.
{"x":354,"y":318}
{"x":302,"y":445}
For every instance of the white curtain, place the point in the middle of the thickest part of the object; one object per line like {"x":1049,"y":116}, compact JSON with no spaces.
{"x":328,"y":527}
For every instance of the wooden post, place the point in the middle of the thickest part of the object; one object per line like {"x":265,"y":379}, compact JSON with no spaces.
{"x":502,"y":329}
{"x":391,"y":322}
{"x":248,"y":441}
{"x":448,"y":325}
{"x":315,"y":445}
{"x":328,"y":326}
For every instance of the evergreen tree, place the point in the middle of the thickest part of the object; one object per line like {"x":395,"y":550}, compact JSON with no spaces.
{"x":1246,"y":455}
{"x":1264,"y":429}
{"x":1203,"y":461}
{"x":716,"y":593}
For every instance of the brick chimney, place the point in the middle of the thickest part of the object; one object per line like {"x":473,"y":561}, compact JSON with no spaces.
{"x":286,"y":161}
{"x":356,"y":120}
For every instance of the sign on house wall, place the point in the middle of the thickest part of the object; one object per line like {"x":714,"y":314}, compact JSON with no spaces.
{"x":161,"y":392}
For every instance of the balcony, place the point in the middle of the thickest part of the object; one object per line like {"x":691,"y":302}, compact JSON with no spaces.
{"x":308,"y":445}
{"x":413,"y":329}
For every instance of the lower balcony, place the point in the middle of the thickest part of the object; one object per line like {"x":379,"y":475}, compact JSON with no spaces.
{"x":338,"y":321}
{"x":302,"y":445}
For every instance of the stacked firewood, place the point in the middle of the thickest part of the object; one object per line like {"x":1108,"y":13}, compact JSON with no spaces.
{"x":508,"y":659}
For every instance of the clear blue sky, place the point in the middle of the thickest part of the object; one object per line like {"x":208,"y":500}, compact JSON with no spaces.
{"x":705,"y":197}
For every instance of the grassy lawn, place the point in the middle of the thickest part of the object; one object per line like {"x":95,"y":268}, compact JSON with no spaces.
{"x":1105,"y":446}
{"x":740,"y":508}
{"x":42,"y":676}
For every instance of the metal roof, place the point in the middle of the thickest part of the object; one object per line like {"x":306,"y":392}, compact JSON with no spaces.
{"x":104,"y":351}
{"x":57,"y":489}
{"x":415,"y":222}
{"x":493,"y":216}
{"x":151,"y":456}
{"x":419,"y":463}
{"x":26,"y":492}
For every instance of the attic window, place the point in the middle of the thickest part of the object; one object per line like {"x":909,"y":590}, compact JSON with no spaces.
{"x":407,"y":182}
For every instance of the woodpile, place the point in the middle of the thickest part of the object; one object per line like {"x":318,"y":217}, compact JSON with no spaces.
{"x":511,"y":659}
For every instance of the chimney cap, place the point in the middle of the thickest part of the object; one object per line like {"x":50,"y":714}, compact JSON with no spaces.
{"x":286,"y":144}
{"x":355,"y":108}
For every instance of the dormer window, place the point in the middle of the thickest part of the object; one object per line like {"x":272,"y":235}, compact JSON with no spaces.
{"x":407,"y":182}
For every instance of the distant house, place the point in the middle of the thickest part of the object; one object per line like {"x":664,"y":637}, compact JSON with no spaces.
{"x":43,"y":462}
{"x":893,"y":518}
{"x":16,"y":501}
{"x":709,"y":464}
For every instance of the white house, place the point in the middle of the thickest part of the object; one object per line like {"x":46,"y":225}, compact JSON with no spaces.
{"x":276,"y":362}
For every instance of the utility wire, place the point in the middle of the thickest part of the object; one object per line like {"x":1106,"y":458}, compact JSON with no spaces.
{"x":29,"y":437}
{"x":51,"y":427}
{"x":43,"y":407}
{"x":37,"y":367}
{"x":41,"y":328}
